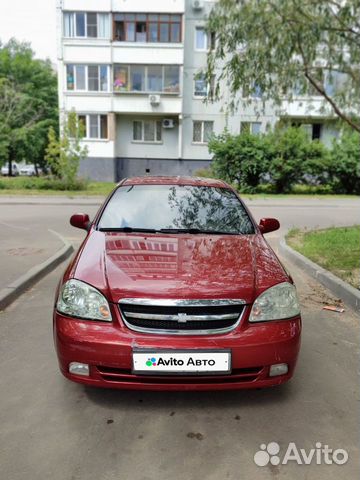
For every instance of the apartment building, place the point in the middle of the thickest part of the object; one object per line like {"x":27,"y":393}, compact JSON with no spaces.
{"x":129,"y":68}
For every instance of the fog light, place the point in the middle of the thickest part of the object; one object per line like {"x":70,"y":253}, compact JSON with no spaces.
{"x":79,"y":369}
{"x":278,"y":369}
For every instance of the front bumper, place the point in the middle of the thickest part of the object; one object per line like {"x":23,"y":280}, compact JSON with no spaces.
{"x":107,"y":349}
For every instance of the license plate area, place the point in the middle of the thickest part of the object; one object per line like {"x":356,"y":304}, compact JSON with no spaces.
{"x":181,"y":362}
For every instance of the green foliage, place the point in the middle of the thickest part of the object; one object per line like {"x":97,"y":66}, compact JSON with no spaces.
{"x":282,"y":161}
{"x":64,"y":154}
{"x":293,"y":156}
{"x":50,"y":185}
{"x":42,"y":183}
{"x":240,"y":159}
{"x":204,"y":172}
{"x":286,"y":48}
{"x":336,"y":249}
{"x":345,"y":163}
{"x":28,"y":104}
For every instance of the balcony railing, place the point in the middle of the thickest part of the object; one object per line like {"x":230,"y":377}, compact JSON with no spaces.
{"x":146,"y":79}
{"x":147,"y":28}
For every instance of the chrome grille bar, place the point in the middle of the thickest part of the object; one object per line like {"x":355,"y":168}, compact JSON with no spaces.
{"x":169,"y":302}
{"x":181,"y":316}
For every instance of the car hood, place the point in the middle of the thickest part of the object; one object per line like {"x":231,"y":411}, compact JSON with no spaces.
{"x":124,"y":265}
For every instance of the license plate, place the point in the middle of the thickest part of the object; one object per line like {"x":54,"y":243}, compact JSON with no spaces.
{"x":154,"y":362}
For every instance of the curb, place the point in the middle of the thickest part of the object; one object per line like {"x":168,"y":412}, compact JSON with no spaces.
{"x":348,"y":294}
{"x":16,"y":288}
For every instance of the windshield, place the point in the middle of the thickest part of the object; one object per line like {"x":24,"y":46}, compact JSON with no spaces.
{"x":177,"y":209}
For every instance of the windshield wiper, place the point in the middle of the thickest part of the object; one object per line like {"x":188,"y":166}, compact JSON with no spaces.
{"x":196,"y":231}
{"x":193,"y":231}
{"x":128,"y":230}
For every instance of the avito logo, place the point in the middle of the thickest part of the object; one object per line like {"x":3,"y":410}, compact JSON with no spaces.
{"x":174,"y":362}
{"x":321,"y":454}
{"x":151,"y":362}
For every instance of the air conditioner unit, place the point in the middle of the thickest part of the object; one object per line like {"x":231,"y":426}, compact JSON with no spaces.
{"x":168,"y":123}
{"x":198,"y":4}
{"x":154,"y":99}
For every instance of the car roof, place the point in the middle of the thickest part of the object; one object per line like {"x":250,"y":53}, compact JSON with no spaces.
{"x":175,"y":180}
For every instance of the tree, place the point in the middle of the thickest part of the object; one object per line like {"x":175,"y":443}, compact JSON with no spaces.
{"x":293,"y":156}
{"x":281,"y":158}
{"x":288,"y":47}
{"x":28,"y":104}
{"x":64,"y":154}
{"x":241,"y":159}
{"x":345,"y":165}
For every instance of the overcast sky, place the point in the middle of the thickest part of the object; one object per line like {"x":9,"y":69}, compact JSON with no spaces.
{"x":30,"y":20}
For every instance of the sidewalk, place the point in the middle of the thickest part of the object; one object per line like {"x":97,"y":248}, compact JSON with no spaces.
{"x":28,"y":232}
{"x":50,"y":200}
{"x":22,"y":248}
{"x":298,"y":202}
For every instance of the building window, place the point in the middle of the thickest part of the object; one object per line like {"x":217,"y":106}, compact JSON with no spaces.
{"x":86,"y":25}
{"x":171,"y":79}
{"x":202,"y":88}
{"x":147,"y":131}
{"x":203,"y":40}
{"x":92,"y":78}
{"x":202,"y":131}
{"x":143,"y":28}
{"x":316,"y":131}
{"x":313,"y":130}
{"x":255,"y":128}
{"x":154,"y":78}
{"x":142,"y":78}
{"x":250,"y":127}
{"x":70,"y":77}
{"x":95,"y":126}
{"x":91,"y":25}
{"x":121,"y":80}
{"x":80,"y":75}
{"x":137,"y":78}
{"x":80,"y":24}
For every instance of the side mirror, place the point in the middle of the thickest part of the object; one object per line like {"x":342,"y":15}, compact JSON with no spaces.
{"x":269,"y":225}
{"x":80,"y":220}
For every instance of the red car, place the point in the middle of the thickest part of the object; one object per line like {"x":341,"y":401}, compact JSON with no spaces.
{"x":175,"y":288}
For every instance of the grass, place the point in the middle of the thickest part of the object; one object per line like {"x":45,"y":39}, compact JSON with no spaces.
{"x":260,"y":196}
{"x":336,"y":249}
{"x":44,"y":186}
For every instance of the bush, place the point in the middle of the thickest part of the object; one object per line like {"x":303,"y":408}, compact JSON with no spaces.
{"x":63,"y":155}
{"x":44,"y":183}
{"x":345,"y":164}
{"x":272,"y":163}
{"x":204,"y":172}
{"x":295,"y":159}
{"x":240,"y":159}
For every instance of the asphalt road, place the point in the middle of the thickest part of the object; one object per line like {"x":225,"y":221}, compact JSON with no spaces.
{"x":52,"y":428}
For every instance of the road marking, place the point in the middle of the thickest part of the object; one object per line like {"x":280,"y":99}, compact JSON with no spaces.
{"x":14,"y":226}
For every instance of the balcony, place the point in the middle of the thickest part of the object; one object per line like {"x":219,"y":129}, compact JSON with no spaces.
{"x":155,"y":6}
{"x":169,"y":105}
{"x":87,"y":5}
{"x":127,"y":103}
{"x":306,"y":107}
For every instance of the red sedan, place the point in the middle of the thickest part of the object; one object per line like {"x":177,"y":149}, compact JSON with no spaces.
{"x":175,"y":288}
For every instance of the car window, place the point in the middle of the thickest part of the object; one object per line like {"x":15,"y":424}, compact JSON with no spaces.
{"x":167,"y":207}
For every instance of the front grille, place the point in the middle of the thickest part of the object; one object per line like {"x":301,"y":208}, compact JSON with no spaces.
{"x":181,"y":316}
{"x":239,"y":375}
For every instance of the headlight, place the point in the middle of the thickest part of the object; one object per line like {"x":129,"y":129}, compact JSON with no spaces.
{"x":276,"y":303}
{"x":78,"y":299}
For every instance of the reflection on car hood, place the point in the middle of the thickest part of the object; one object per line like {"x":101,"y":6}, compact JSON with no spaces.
{"x":178,"y":266}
